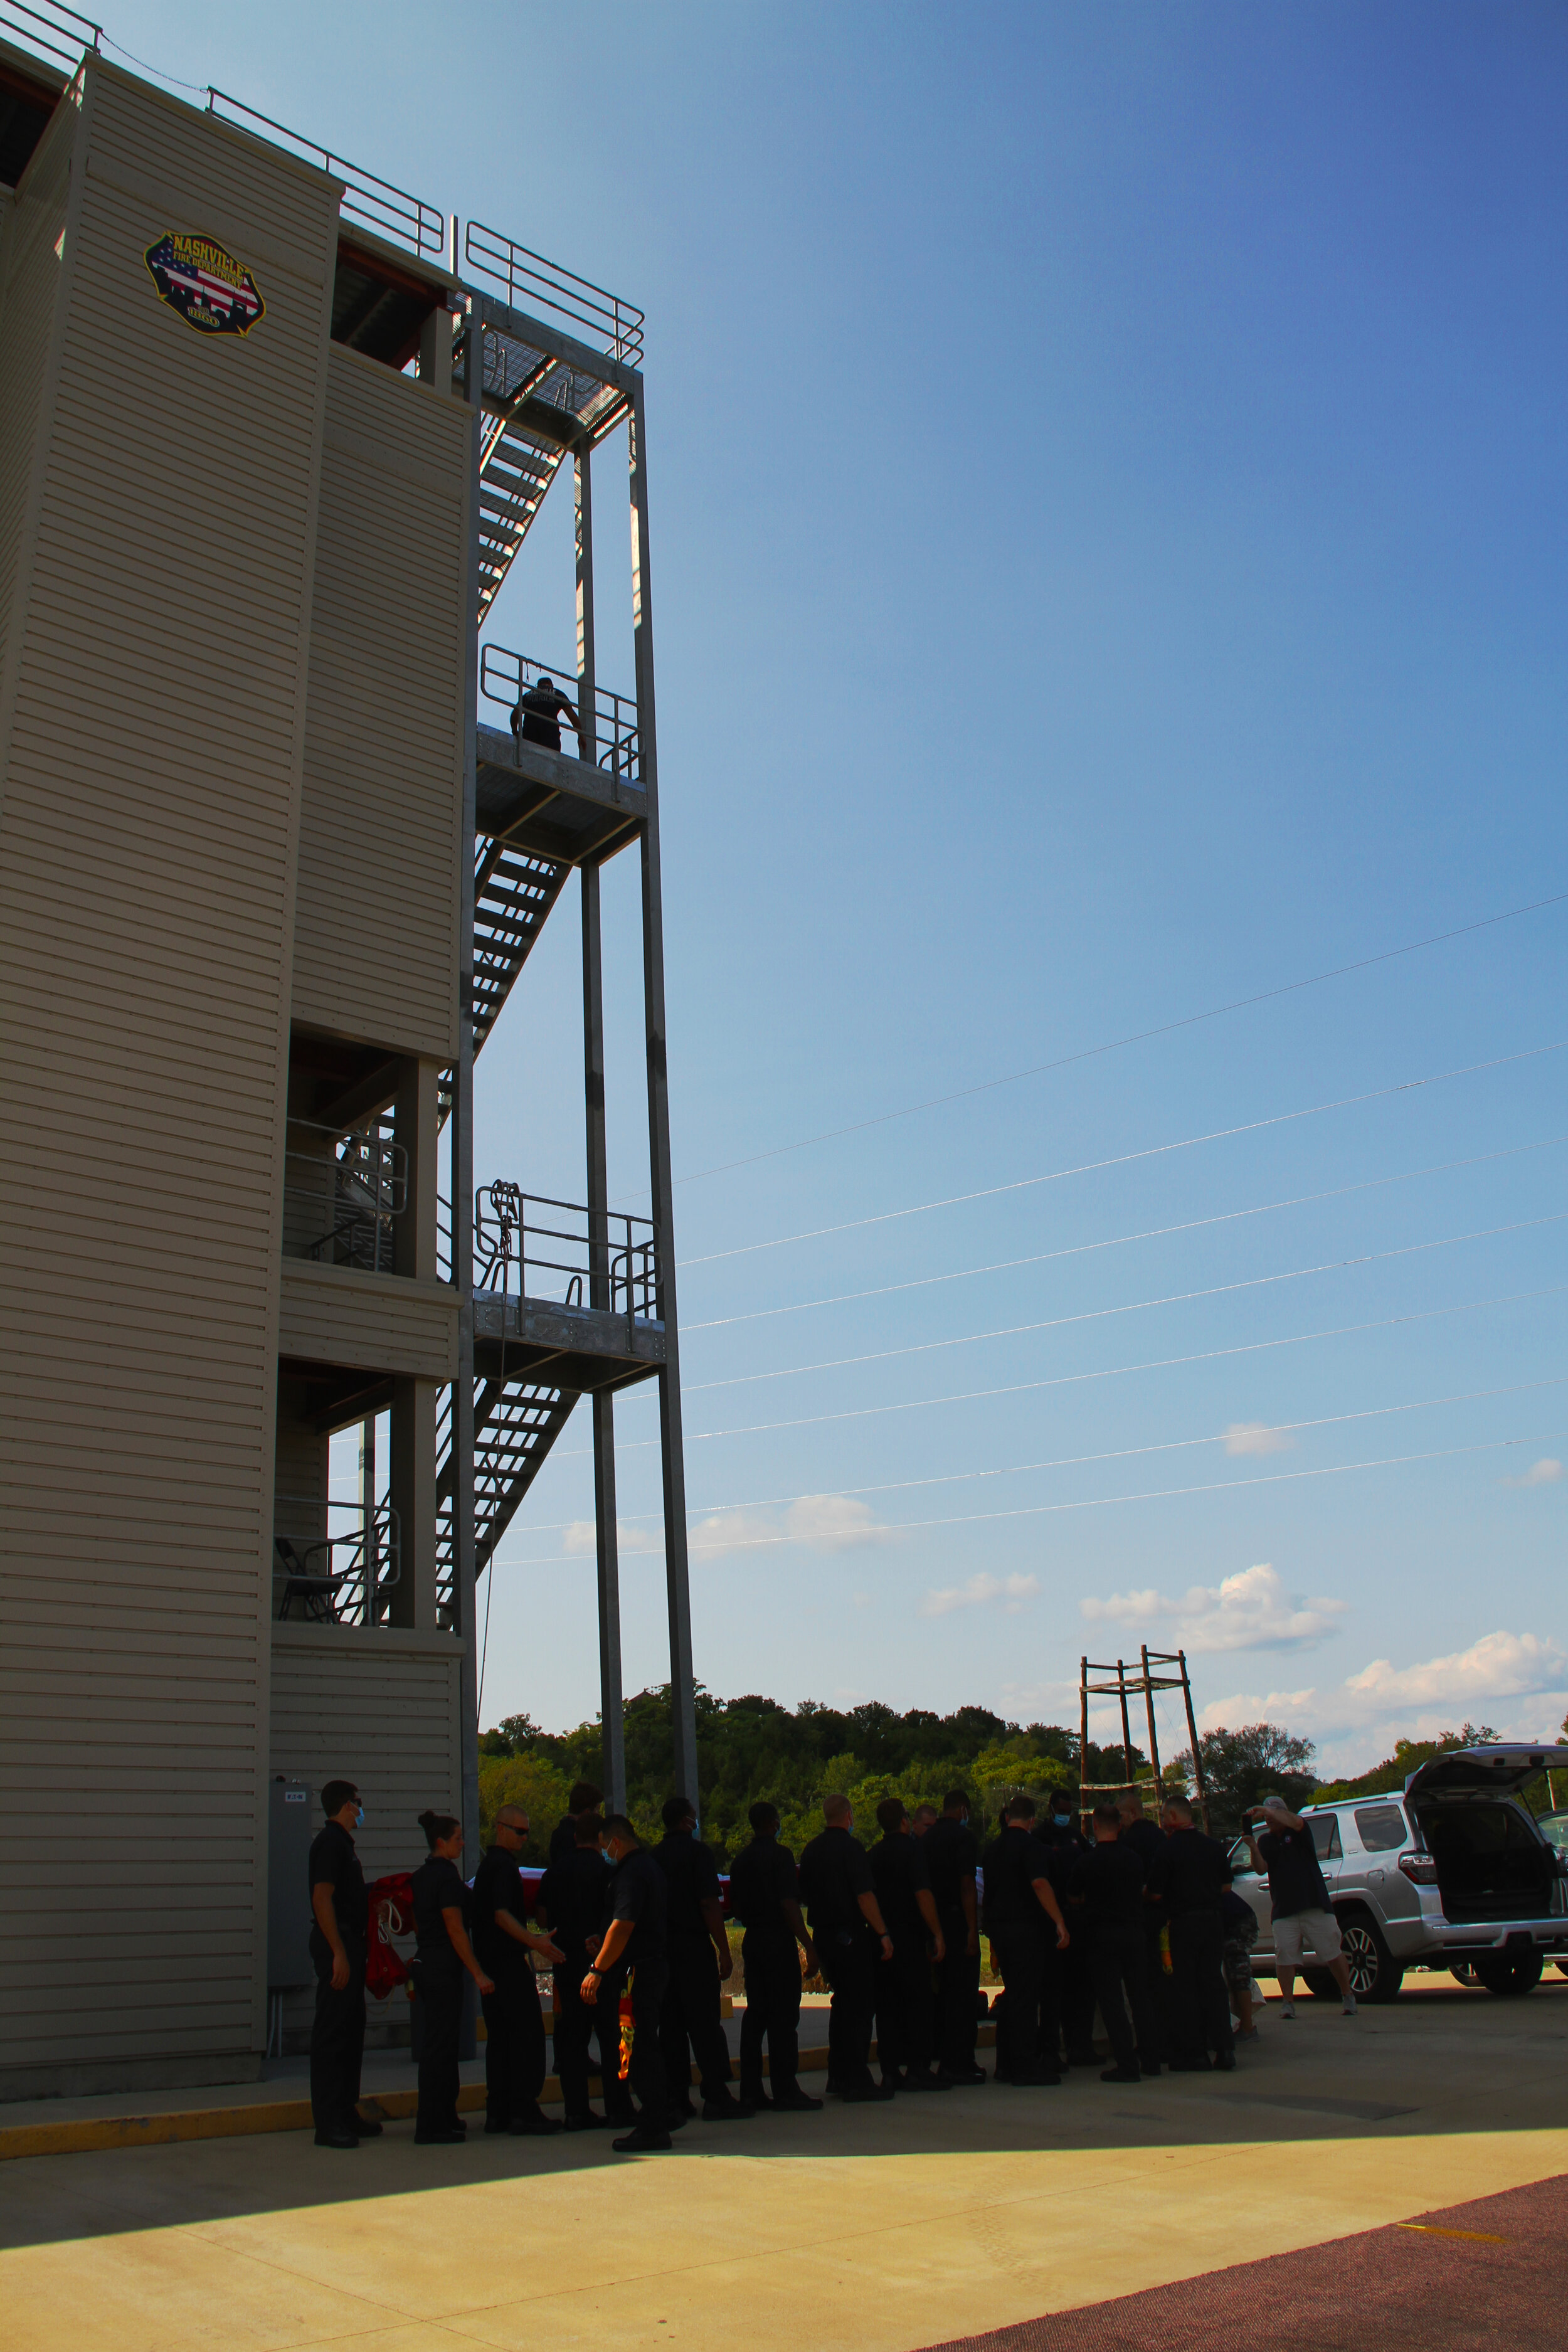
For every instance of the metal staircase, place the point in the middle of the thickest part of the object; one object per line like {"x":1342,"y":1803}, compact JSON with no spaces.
{"x":513,"y":894}
{"x":515,"y":1425}
{"x":516,"y":473}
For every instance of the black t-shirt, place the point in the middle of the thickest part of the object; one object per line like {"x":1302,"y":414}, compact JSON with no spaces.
{"x":1295,"y":1881}
{"x":536,"y":714}
{"x":637,"y":1893}
{"x":899,"y":1874}
{"x":1197,"y":1872}
{"x":562,"y":1838}
{"x":1109,"y":1880}
{"x":691,"y":1875}
{"x":437,"y":1887}
{"x":1014,"y":1860}
{"x":762,"y":1880}
{"x":334,"y":1864}
{"x":834,"y":1870}
{"x":573,"y":1897}
{"x":497,"y":1886}
{"x":1149,"y":1845}
{"x":952,"y":1855}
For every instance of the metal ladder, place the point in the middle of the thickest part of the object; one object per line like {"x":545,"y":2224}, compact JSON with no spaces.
{"x":516,"y":1423}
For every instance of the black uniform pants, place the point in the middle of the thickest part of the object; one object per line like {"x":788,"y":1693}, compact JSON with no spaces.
{"x":957,"y":1990}
{"x":441,"y":2004}
{"x":904,"y":2006}
{"x":1121,"y":1964}
{"x":576,"y":2024}
{"x":845,"y":1954}
{"x":1077,"y":1995}
{"x":773,"y":2012}
{"x":514,"y":2047}
{"x":1019,"y":1952}
{"x":337,"y":2045}
{"x":1200,"y":2006}
{"x":691,"y":2017}
{"x":647,"y":2078}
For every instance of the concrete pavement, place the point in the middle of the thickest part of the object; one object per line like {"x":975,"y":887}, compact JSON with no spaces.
{"x":884,"y":2229}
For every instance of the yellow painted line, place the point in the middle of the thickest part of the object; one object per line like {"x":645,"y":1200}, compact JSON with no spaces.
{"x":88,"y":2135}
{"x":1481,"y":2237}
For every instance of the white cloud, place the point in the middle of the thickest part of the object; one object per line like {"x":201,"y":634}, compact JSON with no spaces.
{"x":1245,"y":1437}
{"x":828,"y":1523}
{"x":1500,"y":1666}
{"x":583,"y":1536}
{"x":1515,"y":1681}
{"x":1540,"y":1473}
{"x":1012,"y":1591}
{"x":1249,"y":1611}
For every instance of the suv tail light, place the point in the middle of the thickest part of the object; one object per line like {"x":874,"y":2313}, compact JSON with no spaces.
{"x":1419,"y":1868}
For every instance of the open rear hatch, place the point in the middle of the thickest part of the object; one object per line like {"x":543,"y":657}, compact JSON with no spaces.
{"x":1492,"y":1862}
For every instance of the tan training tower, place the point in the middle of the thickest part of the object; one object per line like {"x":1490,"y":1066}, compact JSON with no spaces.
{"x":265,"y":457}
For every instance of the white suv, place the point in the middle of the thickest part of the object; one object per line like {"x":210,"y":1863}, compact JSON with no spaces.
{"x":1454,"y":1875}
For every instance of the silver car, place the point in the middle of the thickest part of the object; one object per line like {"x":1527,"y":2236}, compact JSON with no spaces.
{"x":1455,"y":1873}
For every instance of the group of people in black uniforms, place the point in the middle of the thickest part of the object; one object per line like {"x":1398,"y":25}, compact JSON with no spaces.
{"x":1127,"y":1919}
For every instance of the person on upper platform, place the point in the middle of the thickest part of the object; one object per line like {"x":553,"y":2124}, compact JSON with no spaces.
{"x":539,"y":712}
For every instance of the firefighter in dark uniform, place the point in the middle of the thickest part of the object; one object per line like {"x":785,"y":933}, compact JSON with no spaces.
{"x":762,"y":1897}
{"x":1021,"y":1913}
{"x":952,"y":1856}
{"x":699,"y":1960}
{"x":1109,"y":1910}
{"x":1148,"y":1843}
{"x":442,"y":1953}
{"x":514,"y":2026}
{"x":848,"y":1931}
{"x":573,"y":1903}
{"x":1064,"y":1842}
{"x":582,"y":1804}
{"x":634,"y":1953}
{"x":539,"y":712}
{"x":340,"y":1932}
{"x":904,"y":2014}
{"x":1197,"y":1872}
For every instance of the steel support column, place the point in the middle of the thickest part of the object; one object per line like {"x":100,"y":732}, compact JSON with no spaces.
{"x":677,"y":1571}
{"x":611,"y":1686}
{"x":466,"y":1624}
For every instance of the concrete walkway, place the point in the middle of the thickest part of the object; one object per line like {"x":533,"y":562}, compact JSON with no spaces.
{"x":893,"y":2227}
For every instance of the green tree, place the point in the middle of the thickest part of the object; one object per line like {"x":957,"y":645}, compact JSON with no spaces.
{"x":1240,"y":1767}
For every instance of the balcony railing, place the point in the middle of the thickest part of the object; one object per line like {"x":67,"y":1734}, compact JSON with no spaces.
{"x":341,"y":1195}
{"x":386,"y":211}
{"x":332,"y":1564}
{"x":608,"y":735}
{"x":531,"y":283}
{"x":557,"y":1250}
{"x":57,"y":34}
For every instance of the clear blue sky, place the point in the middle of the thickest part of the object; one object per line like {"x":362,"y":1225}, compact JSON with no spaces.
{"x":1108,"y":507}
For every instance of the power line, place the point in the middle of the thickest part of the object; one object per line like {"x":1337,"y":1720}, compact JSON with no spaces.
{"x":1103,"y":1502}
{"x":1125,"y":1158}
{"x":1077,"y":1461}
{"x":1073,"y":1380}
{"x":1136,"y":1037}
{"x":1116,"y":1241}
{"x":1133,"y":1307}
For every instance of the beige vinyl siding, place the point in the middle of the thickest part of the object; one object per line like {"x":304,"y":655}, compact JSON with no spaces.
{"x":376,"y":937}
{"x":160,"y":607}
{"x":382,"y":1322}
{"x":378,"y":1706}
{"x":34,"y":219}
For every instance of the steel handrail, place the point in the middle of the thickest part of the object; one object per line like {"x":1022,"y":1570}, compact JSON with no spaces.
{"x":50,"y":16}
{"x":344,"y":1196}
{"x":618,"y":324}
{"x":375,"y":1555}
{"x":506,"y":676}
{"x":383,"y":207}
{"x":608,"y":1247}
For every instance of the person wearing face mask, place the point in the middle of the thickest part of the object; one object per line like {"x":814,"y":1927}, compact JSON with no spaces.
{"x":339,"y":1935}
{"x":1062,"y":1836}
{"x":514,"y":2026}
{"x":442,"y":1953}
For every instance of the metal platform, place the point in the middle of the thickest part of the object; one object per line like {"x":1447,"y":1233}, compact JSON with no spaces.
{"x":583,"y":1348}
{"x":552,"y":805}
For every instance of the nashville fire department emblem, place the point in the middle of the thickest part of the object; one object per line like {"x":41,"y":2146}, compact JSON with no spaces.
{"x":210,"y":289}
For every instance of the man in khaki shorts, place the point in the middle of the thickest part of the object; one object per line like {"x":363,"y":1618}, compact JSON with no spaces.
{"x":1282,"y":1845}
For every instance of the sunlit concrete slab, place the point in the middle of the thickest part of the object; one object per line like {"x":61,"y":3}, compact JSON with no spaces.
{"x":889,"y":2228}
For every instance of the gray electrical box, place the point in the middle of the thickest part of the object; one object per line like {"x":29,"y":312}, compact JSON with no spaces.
{"x":290,"y":1827}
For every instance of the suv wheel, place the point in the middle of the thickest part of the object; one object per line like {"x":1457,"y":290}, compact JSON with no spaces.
{"x":1464,"y":1971}
{"x":1319,"y":1984}
{"x":1511,"y":1977}
{"x":1376,"y":1974}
